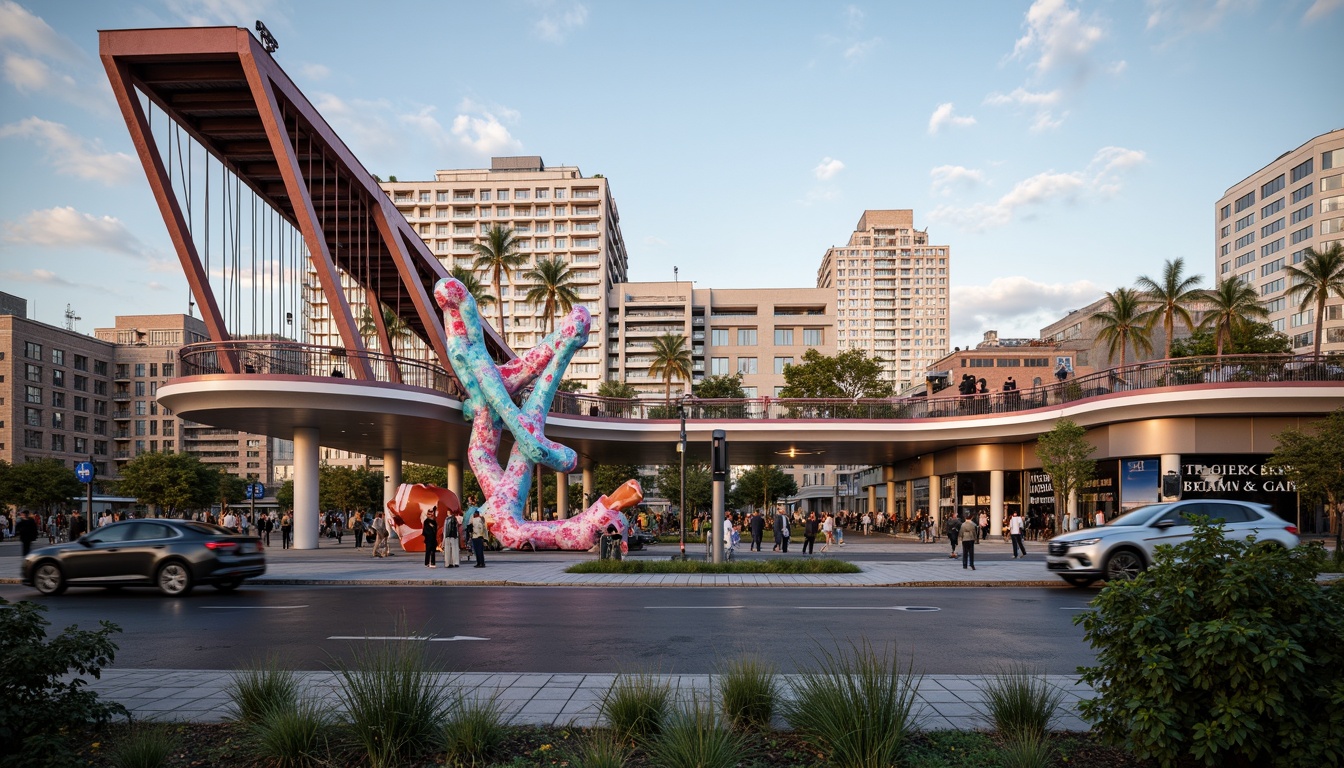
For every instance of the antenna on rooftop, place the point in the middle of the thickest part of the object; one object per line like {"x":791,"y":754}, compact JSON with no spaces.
{"x":70,"y":318}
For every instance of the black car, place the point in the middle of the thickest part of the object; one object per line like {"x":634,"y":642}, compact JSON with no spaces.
{"x":173,"y":555}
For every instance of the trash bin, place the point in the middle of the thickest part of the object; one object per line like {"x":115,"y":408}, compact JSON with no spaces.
{"x":609,"y":547}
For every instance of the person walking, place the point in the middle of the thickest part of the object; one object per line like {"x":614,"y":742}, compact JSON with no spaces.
{"x":26,"y":531}
{"x":984,"y":526}
{"x":380,"y":546}
{"x":78,"y":526}
{"x":264,"y":527}
{"x":286,"y":531}
{"x":429,"y":528}
{"x":1100,"y":518}
{"x":1015,"y":533}
{"x":479,"y":530}
{"x":867,"y":522}
{"x":337,"y":528}
{"x":810,"y":534}
{"x":757,"y":531}
{"x":782,"y":531}
{"x":968,"y":533}
{"x":953,"y":528}
{"x":828,"y":532}
{"x":357,"y":528}
{"x":452,"y":543}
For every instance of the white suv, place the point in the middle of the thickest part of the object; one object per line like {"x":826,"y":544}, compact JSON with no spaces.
{"x":1124,"y":547}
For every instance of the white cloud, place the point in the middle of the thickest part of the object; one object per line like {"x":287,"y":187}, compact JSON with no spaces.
{"x":828,"y":168}
{"x":1046,"y":120}
{"x":1102,"y":177}
{"x":854,"y":17}
{"x":361,"y":122}
{"x":861,"y":48}
{"x":229,"y":13}
{"x":315,"y":71}
{"x":1023,"y":97}
{"x":19,"y":26}
{"x":72,"y":155}
{"x":948,"y":178}
{"x":44,"y":276}
{"x":1016,"y":307}
{"x":559,"y":19}
{"x":64,"y":227}
{"x":1058,"y":39}
{"x":1322,"y":8}
{"x":479,"y":129}
{"x":34,"y":58}
{"x":1179,"y":17}
{"x":944,"y":115}
{"x":29,"y":75}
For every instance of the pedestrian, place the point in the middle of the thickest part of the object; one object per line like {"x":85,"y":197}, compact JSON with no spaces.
{"x":828,"y":532}
{"x":429,"y":529}
{"x":452,"y":543}
{"x":380,"y":545}
{"x":357,"y":527}
{"x":78,"y":526}
{"x":337,"y":527}
{"x":730,"y":537}
{"x":953,"y":528}
{"x":1100,"y":517}
{"x":810,"y":534}
{"x":105,"y":519}
{"x":984,"y":526}
{"x":757,"y":530}
{"x":266,"y":526}
{"x":1015,"y":533}
{"x":286,"y":531}
{"x":782,"y":531}
{"x":230,"y":521}
{"x":968,"y":532}
{"x":867,"y":523}
{"x":26,"y":531}
{"x":479,"y":530}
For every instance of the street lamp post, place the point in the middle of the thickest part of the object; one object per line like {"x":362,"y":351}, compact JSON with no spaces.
{"x":681,"y":448}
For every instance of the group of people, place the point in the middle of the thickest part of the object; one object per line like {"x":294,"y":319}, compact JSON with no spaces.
{"x":448,"y":541}
{"x":831,"y":531}
{"x":968,"y":530}
{"x":28,"y":526}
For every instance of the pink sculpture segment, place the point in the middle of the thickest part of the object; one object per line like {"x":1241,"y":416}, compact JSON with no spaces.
{"x":490,"y":405}
{"x":406,"y":511}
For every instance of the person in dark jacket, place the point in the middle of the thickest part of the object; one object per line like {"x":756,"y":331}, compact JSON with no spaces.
{"x":430,"y":527}
{"x":810,"y":533}
{"x":757,"y":530}
{"x":782,"y":532}
{"x":78,"y":526}
{"x":26,"y":531}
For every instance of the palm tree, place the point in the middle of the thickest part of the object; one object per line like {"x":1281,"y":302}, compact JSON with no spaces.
{"x":497,"y":256}
{"x":1321,"y":274}
{"x":617,"y":390}
{"x":1169,"y":300}
{"x":397,"y":330}
{"x":472,"y":282}
{"x":671,"y":360}
{"x":553,"y":288}
{"x":1122,"y":323}
{"x":1234,"y":303}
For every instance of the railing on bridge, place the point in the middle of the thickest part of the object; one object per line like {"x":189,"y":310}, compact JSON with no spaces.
{"x":295,"y":359}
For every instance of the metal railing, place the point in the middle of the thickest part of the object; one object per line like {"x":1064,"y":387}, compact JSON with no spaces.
{"x":288,"y":358}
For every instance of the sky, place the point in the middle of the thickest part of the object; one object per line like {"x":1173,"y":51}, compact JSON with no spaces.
{"x":1060,"y":148}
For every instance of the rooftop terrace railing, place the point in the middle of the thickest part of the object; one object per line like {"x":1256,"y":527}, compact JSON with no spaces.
{"x":289,"y":358}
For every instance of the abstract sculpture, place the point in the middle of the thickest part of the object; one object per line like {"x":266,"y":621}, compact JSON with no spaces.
{"x":405,"y":513}
{"x":490,"y":407}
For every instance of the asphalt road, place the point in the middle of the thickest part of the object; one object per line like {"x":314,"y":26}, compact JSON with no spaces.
{"x":583,"y":629}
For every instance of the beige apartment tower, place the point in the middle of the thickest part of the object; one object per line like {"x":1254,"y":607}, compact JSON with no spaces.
{"x":891,"y":294}
{"x":1267,"y":221}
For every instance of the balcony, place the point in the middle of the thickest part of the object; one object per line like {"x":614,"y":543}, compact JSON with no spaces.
{"x":121,"y":434}
{"x":121,"y":455}
{"x":122,"y":415}
{"x":121,"y":397}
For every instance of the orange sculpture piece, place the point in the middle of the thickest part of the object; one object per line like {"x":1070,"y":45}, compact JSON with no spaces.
{"x":405,"y":512}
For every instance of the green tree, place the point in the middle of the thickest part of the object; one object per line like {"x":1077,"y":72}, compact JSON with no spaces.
{"x":671,"y":360}
{"x":1064,"y":453}
{"x":1224,"y":653}
{"x":172,"y":482}
{"x":284,"y":496}
{"x":1121,"y":324}
{"x":617,"y":390}
{"x":1233,"y":305}
{"x":43,"y":485}
{"x":554,"y":289}
{"x":1320,"y":274}
{"x":1169,"y":299}
{"x":397,"y":329}
{"x":424,"y":473}
{"x":472,"y":282}
{"x":571,"y":385}
{"x":722,"y":386}
{"x":498,"y":257}
{"x":608,"y":477}
{"x":761,"y":486}
{"x":1314,"y":461}
{"x":342,"y":489}
{"x":1250,"y":338}
{"x":699,"y":485}
{"x":849,"y":374}
{"x":232,"y":488}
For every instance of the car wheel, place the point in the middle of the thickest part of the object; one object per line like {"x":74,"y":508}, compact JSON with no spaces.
{"x":228,"y":586}
{"x":1079,"y":581}
{"x":49,"y":579}
{"x":1124,"y":565}
{"x":174,"y":579}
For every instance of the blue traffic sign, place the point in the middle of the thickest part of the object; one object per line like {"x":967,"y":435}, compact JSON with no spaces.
{"x":84,"y":471}
{"x":255,"y":490}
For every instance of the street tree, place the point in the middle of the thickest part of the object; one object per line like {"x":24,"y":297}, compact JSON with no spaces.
{"x":762,"y":486}
{"x":232,"y":488}
{"x":397,"y":329}
{"x":498,"y":257}
{"x":554,"y":289}
{"x":1233,"y":304}
{"x":1122,"y":324}
{"x":618,"y":390}
{"x":284,"y":495}
{"x":1169,"y":299}
{"x":608,"y":477}
{"x":849,"y":374}
{"x":721,"y":386}
{"x":699,"y":485}
{"x":1064,"y":453}
{"x":171,"y":482}
{"x":1320,"y":274}
{"x":43,"y":485}
{"x":1249,"y":338}
{"x":1314,"y":461}
{"x":671,"y":360}
{"x":342,"y":488}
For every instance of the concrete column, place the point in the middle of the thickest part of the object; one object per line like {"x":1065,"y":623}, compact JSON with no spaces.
{"x":455,"y":480}
{"x":872,"y":500}
{"x":588,"y":482}
{"x":996,"y":502}
{"x":561,"y":495}
{"x":305,"y":487}
{"x":935,"y":509}
{"x":910,"y":499}
{"x":1172,"y":462}
{"x":391,"y":475}
{"x":1071,"y":504}
{"x":891,"y":499}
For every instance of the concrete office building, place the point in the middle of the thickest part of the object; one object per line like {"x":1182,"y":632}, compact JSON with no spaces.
{"x":1267,"y":221}
{"x":891,"y":294}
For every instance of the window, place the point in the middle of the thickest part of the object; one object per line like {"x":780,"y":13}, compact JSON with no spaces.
{"x":1272,"y":267}
{"x":784,"y":337}
{"x":58,"y":443}
{"x":57,"y":420}
{"x":1332,"y":182}
{"x":57,"y":377}
{"x":1224,"y":212}
{"x":81,"y":383}
{"x":140,"y":370}
{"x":1245,"y":221}
{"x":32,"y":372}
{"x":1301,"y":171}
{"x":746,"y":337}
{"x":746,"y":365}
{"x":139,"y":389}
{"x":100,"y":367}
{"x":1276,"y":305}
{"x":1330,"y":204}
{"x":718,"y":337}
{"x":812,"y":337}
{"x":32,"y":417}
{"x":1008,"y":362}
{"x":81,"y":423}
{"x":1305,"y":211}
{"x":1332,"y":226}
{"x":1271,"y":187}
{"x":781,"y":362}
{"x":81,"y":363}
{"x":1273,"y":287}
{"x":140,"y":408}
{"x":1273,"y":247}
{"x":485,"y":194}
{"x":718,"y":366}
{"x":1302,"y":318}
{"x":1332,"y":159}
{"x":1272,"y":208}
{"x":32,"y":350}
{"x":1245,"y":240}
{"x":81,"y":404}
{"x":58,"y":356}
{"x":32,"y":439}
{"x":981,"y":362}
{"x":1303,"y":339}
{"x":1225,"y":231}
{"x":1272,"y":227}
{"x":1301,"y":193}
{"x":1245,"y":201}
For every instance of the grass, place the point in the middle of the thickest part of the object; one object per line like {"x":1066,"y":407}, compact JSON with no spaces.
{"x":395,"y":701}
{"x":295,"y":737}
{"x":1027,"y":749}
{"x":748,"y":691}
{"x":641,"y":565}
{"x":599,"y":748}
{"x":474,"y":730}
{"x":256,"y":692}
{"x":637,"y":705}
{"x":859,"y":708}
{"x":693,"y":738}
{"x":1020,"y":701}
{"x":144,"y":746}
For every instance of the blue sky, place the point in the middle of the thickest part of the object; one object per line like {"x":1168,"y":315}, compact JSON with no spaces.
{"x":1061,"y":148}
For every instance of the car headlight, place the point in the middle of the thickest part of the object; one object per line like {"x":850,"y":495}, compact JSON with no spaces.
{"x":1084,"y":542}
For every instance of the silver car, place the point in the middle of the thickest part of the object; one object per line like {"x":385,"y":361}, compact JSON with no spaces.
{"x":1124,"y":547}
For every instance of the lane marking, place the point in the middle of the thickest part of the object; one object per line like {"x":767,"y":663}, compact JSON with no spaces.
{"x":913,"y":608}
{"x":687,"y":607}
{"x":374,"y":637}
{"x":251,"y":607}
{"x":455,"y":638}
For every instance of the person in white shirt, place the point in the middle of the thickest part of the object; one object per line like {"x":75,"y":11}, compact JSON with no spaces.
{"x":1101,"y":517}
{"x":229,"y":521}
{"x":104,"y":519}
{"x":867,"y":523}
{"x":1015,"y":533}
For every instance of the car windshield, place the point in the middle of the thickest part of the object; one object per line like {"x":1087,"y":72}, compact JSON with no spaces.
{"x":1139,"y":516}
{"x":209,"y":529}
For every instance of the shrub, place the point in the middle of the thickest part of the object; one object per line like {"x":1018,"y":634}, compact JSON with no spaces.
{"x":1223,"y":653}
{"x":599,"y":748}
{"x":474,"y":729}
{"x":1027,"y":749}
{"x":859,"y":708}
{"x":294,"y":737}
{"x":636,"y":705}
{"x":144,"y":747}
{"x":395,"y":702}
{"x":1019,"y":701}
{"x":254,"y":693}
{"x":748,"y":691}
{"x":38,"y":705}
{"x":692,"y":738}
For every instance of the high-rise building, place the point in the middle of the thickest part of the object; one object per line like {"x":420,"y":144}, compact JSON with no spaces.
{"x":891,"y":294}
{"x":553,"y":212}
{"x":1267,"y":221}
